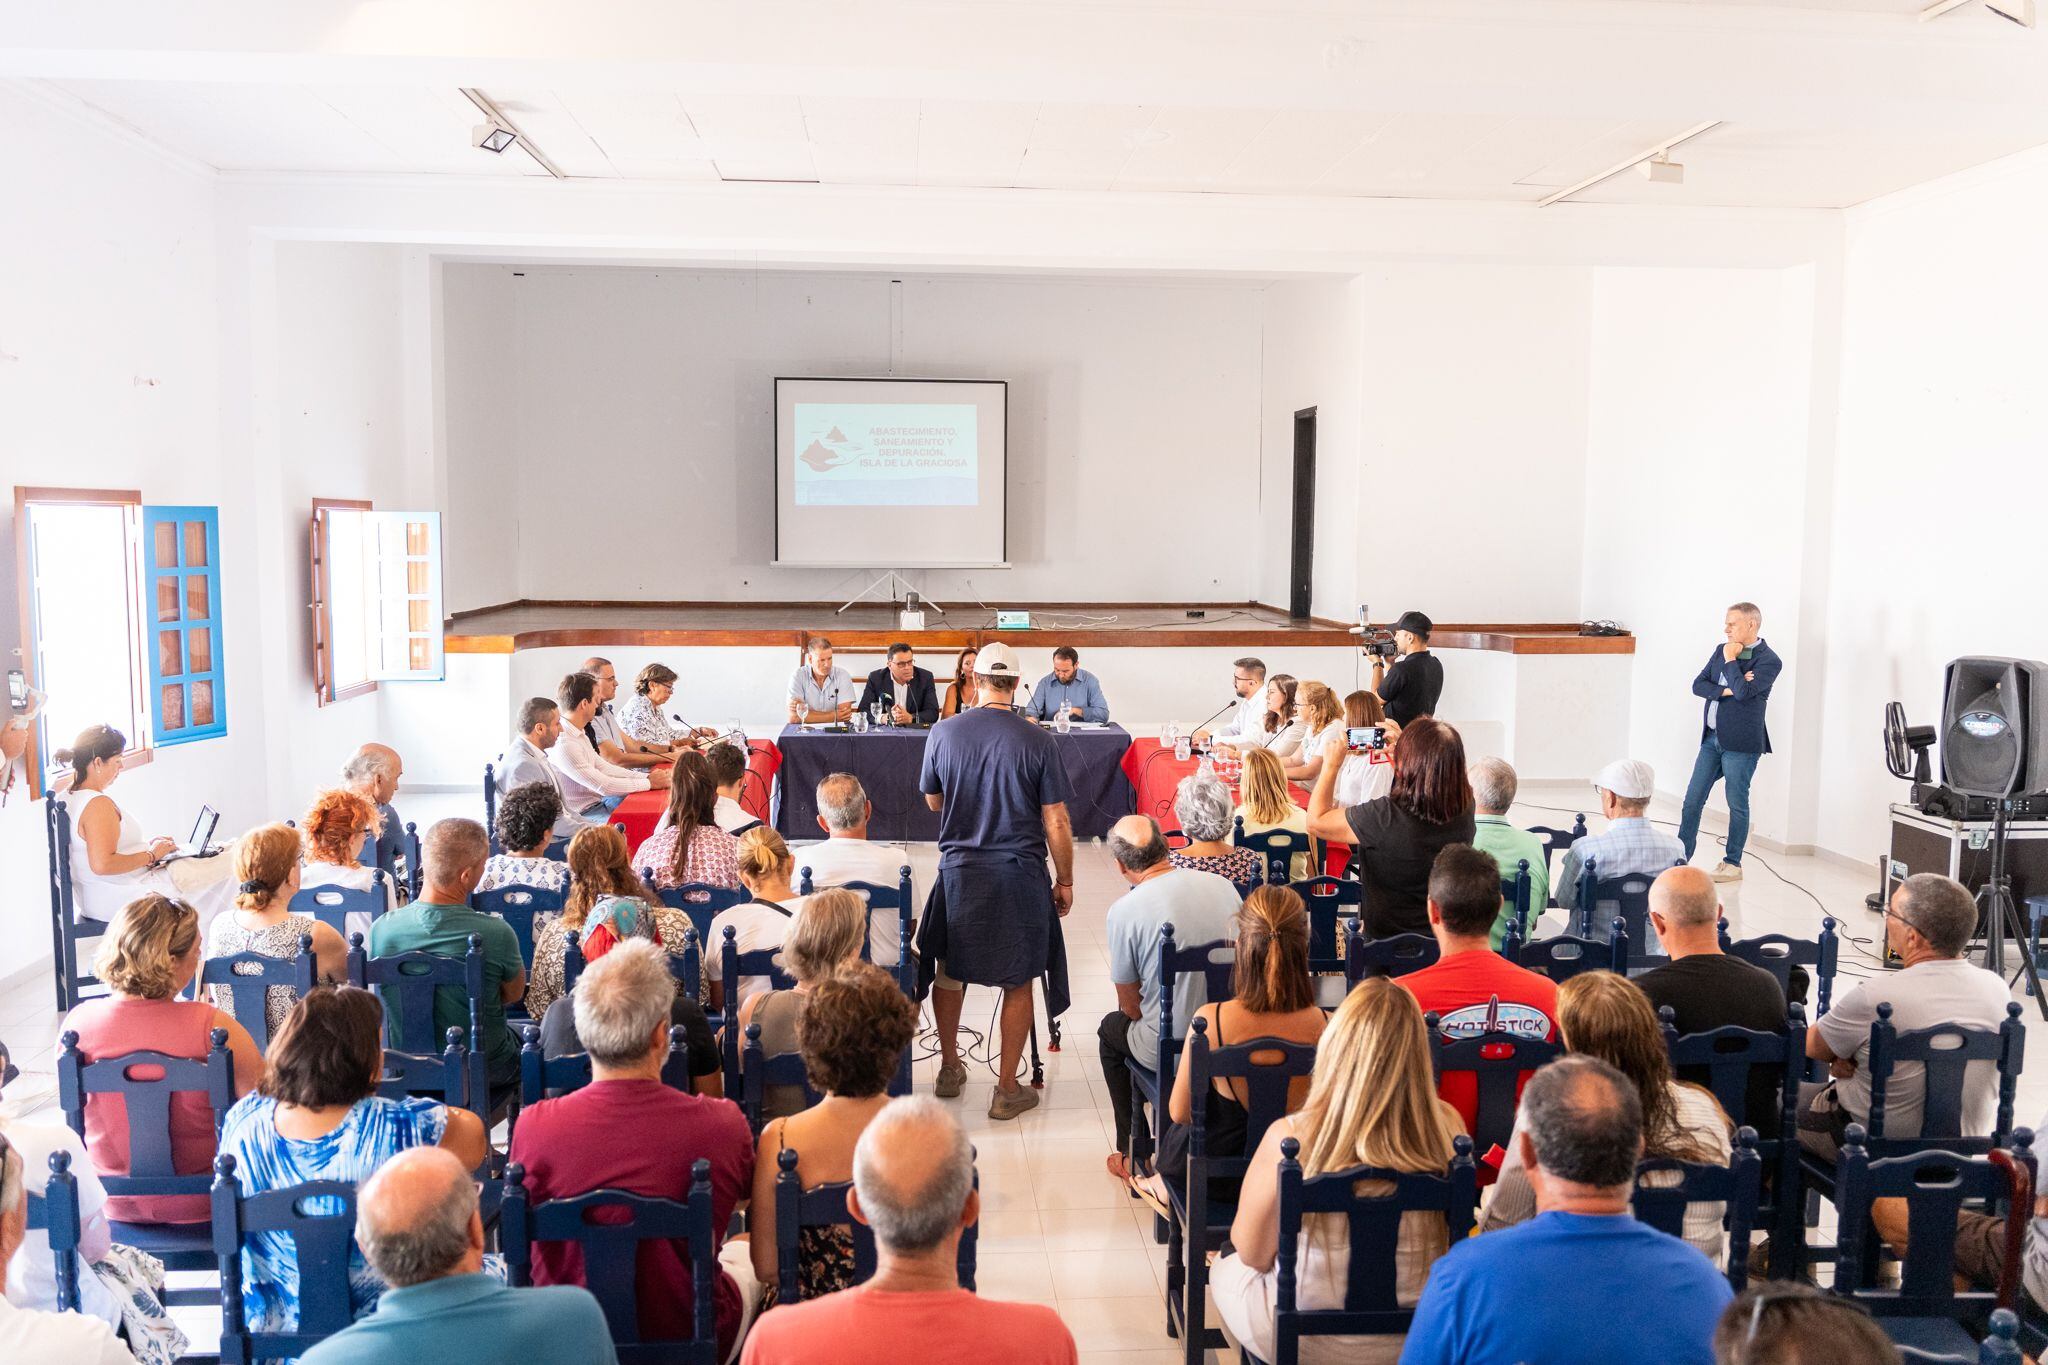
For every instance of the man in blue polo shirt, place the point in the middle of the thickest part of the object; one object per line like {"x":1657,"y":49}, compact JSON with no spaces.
{"x":1583,"y":1280}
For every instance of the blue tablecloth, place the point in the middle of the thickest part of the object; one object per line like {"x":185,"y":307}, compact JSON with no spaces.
{"x":887,"y":762}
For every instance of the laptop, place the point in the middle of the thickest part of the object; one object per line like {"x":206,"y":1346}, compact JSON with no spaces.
{"x":200,"y":845}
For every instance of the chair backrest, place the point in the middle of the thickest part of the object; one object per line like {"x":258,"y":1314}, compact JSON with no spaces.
{"x":332,"y":905}
{"x":895,"y":898}
{"x":1396,"y":955}
{"x":1268,"y":1067}
{"x":687,"y":966}
{"x":541,"y":1076}
{"x":444,"y":1075}
{"x":1563,"y":956}
{"x":1173,"y":962}
{"x":735,"y":965}
{"x":797,"y":1208}
{"x":1936,"y":1185}
{"x":1625,"y":897}
{"x":1326,"y":899}
{"x":1371,"y":1306}
{"x":1729,"y":1055}
{"x":1515,"y":892}
{"x":491,"y":807}
{"x":1556,"y":841}
{"x":611,"y":1250}
{"x":518,"y":906}
{"x":572,"y":959}
{"x":1945,"y":1052}
{"x":1737,"y":1185}
{"x":320,"y":1219}
{"x":1277,"y":846}
{"x":53,"y":1211}
{"x":409,"y":984}
{"x":1778,"y":954}
{"x":67,"y":928}
{"x":700,"y":901}
{"x":758,"y":1071}
{"x":1497,"y":1060}
{"x":150,"y":1167}
{"x":415,"y":872}
{"x":249,"y":977}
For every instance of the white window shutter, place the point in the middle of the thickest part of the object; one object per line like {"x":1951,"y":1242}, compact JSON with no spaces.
{"x":402,"y":588}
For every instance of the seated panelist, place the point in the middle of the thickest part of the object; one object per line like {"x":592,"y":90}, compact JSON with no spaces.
{"x":1068,"y":688}
{"x":819,"y":691}
{"x":908,"y":692}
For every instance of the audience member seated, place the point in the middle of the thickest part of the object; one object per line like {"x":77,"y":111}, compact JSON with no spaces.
{"x":1398,"y":836}
{"x":1202,"y":908}
{"x":267,"y":877}
{"x":904,"y":691}
{"x":1605,"y":1016}
{"x":149,"y":955}
{"x":1928,"y":924}
{"x":1272,"y":997}
{"x":1366,"y":775}
{"x":373,"y":773}
{"x":1493,"y":791}
{"x":558,"y":1037}
{"x":964,"y":692}
{"x":1322,"y":716}
{"x":525,"y":761}
{"x":729,"y":771}
{"x":1706,"y":988}
{"x":1202,"y":805}
{"x":440,"y":922}
{"x":592,"y":785}
{"x":586,"y":1141}
{"x":1371,"y":1102}
{"x":607,"y":904}
{"x":913,"y":1183}
{"x":526,"y":828}
{"x":111,"y":862}
{"x":846,"y":855}
{"x":1265,"y":803}
{"x":820,"y":691}
{"x":603,"y":730}
{"x":1247,"y":723}
{"x":334,"y":829}
{"x":317,"y":1116}
{"x":418,"y":1224}
{"x":1629,"y":845}
{"x":32,"y":1335}
{"x":823,"y":939}
{"x":851,"y":1035}
{"x":643,"y":718}
{"x":762,"y":922}
{"x":1583,"y":1279}
{"x":1787,"y":1322}
{"x":1069,"y":688}
{"x":690,"y":846}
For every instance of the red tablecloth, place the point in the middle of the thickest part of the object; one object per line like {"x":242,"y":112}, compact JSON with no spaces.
{"x":641,"y":811}
{"x":1155,"y":772}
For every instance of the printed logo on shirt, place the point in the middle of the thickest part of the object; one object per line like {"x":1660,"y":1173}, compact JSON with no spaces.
{"x":1495,"y":1017}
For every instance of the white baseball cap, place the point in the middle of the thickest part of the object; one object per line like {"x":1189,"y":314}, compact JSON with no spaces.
{"x":997,"y":660}
{"x":1628,"y":778}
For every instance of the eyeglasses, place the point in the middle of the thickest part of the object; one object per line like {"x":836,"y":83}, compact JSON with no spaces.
{"x":1890,"y":913}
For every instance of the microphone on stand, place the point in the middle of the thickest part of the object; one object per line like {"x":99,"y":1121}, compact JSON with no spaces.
{"x":1217,"y":712}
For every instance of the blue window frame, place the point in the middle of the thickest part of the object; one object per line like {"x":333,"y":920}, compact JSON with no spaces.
{"x":181,"y":623}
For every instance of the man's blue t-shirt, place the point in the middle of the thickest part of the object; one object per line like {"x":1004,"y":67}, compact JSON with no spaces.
{"x":1566,"y":1288}
{"x":996,"y":771}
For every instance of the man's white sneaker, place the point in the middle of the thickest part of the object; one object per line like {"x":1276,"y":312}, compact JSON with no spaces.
{"x":1726,"y":872}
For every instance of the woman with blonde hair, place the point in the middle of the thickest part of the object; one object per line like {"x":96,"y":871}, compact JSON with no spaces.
{"x":763,"y":922}
{"x":1371,"y":1102}
{"x":266,"y":878}
{"x":1264,"y":803}
{"x":1321,"y":716}
{"x":1609,"y":1017}
{"x":827,"y":936}
{"x":607,"y":903}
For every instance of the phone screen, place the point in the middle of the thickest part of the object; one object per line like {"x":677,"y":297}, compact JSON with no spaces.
{"x":1361,"y":739}
{"x":17,"y":689}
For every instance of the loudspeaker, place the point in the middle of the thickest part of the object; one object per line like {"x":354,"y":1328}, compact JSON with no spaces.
{"x":1994,"y":726}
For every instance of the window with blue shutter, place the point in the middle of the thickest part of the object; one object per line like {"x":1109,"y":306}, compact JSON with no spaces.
{"x":181,"y":614}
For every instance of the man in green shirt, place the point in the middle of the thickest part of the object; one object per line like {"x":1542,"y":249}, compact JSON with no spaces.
{"x":440,"y":922}
{"x":1493,"y":791}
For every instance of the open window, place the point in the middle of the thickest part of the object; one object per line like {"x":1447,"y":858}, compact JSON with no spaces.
{"x":181,"y":597}
{"x":377,"y":598}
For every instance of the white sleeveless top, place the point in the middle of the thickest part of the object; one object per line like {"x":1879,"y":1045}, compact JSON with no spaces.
{"x":100,"y":897}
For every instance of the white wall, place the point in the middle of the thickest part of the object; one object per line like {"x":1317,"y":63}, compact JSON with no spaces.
{"x":1312,"y":353}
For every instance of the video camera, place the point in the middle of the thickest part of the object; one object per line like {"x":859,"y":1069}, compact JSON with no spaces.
{"x":1376,"y":641}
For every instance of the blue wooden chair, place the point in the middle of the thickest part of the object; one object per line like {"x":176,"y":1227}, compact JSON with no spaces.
{"x":1497,"y":1060}
{"x":1327,"y":898}
{"x":491,"y":809}
{"x":332,"y":905}
{"x":67,"y":927}
{"x":2000,"y":1346}
{"x":1778,"y":954}
{"x":1626,"y":898}
{"x":1370,"y":1306}
{"x":687,"y":966}
{"x":1395,"y":955}
{"x":408,"y":983}
{"x":320,"y":1219}
{"x":520,"y":906}
{"x":1924,"y":1309}
{"x":758,"y":1071}
{"x":1201,"y":1220}
{"x":736,"y":965}
{"x":249,"y":977}
{"x":1278,"y":847}
{"x":701,"y":902}
{"x":1154,"y":1085}
{"x":1515,"y":894}
{"x":542,"y":1077}
{"x":415,"y":872}
{"x":54,"y":1212}
{"x":572,"y":960}
{"x":1563,"y":956}
{"x":180,"y":1246}
{"x":611,"y":1252}
{"x":1556,"y":841}
{"x":797,"y":1208}
{"x":897,"y":899}
{"x":442,"y":1075}
{"x":1738,"y":1186}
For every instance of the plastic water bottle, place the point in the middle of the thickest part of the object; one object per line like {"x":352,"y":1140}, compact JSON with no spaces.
{"x":1169,"y":736}
{"x":1063,"y":722}
{"x":860,"y":721}
{"x":1183,"y":747}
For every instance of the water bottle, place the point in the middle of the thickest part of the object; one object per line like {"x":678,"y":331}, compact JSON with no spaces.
{"x":860,"y":721}
{"x":1169,"y":735}
{"x":1183,"y":747}
{"x":1064,"y":721}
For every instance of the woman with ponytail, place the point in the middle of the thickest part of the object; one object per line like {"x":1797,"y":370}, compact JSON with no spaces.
{"x":111,"y":862}
{"x":266,"y":862}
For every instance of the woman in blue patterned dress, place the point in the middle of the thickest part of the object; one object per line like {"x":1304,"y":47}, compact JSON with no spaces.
{"x":317,"y":1116}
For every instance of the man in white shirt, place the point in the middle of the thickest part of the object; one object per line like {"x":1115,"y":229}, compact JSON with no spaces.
{"x":820,"y":692}
{"x":1248,"y":721}
{"x":29,"y":1335}
{"x":526,"y":760}
{"x":846,"y":856}
{"x":614,"y":745}
{"x":591,"y":785}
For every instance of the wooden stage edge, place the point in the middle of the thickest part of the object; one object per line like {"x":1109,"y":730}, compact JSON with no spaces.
{"x":868,"y":628}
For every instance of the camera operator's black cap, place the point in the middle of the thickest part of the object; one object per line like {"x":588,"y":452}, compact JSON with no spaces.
{"x":1415,"y":623}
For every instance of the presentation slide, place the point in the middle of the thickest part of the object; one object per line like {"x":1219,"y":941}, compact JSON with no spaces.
{"x":890,"y":473}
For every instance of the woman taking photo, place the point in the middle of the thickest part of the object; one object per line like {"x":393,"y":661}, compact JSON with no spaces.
{"x":1322,"y":716}
{"x":964,"y":692}
{"x":607,"y":903}
{"x":689,"y":846}
{"x":1427,"y":808}
{"x":1371,"y":773}
{"x":111,"y":862}
{"x":825,"y":937}
{"x":1264,"y":803}
{"x":267,"y":877}
{"x":1371,"y":1102}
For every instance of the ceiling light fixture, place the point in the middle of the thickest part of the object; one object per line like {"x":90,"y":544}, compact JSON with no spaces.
{"x":500,"y":133}
{"x":491,"y":137}
{"x":1673,"y":173}
{"x":1662,"y":170}
{"x":2020,"y":12}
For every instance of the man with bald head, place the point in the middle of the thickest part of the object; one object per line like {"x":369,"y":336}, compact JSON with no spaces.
{"x":1706,"y":988}
{"x":913,"y":1183}
{"x":418,"y":1225}
{"x":373,"y":772}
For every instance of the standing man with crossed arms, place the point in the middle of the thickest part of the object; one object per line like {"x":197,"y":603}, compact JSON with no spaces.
{"x":1000,"y":788}
{"x":1736,"y":684}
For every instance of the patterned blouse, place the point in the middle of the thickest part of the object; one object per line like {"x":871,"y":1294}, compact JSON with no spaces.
{"x":373,"y":1132}
{"x":1242,"y":867}
{"x":712,"y":858}
{"x":544,"y":985}
{"x":225,"y":938}
{"x":643,"y":720}
{"x":506,"y":869}
{"x":824,"y":1258}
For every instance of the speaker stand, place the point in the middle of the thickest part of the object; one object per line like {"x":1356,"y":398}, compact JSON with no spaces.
{"x":2002,"y":914}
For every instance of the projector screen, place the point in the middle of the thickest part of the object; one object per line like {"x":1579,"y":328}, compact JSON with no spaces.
{"x":890,"y":473}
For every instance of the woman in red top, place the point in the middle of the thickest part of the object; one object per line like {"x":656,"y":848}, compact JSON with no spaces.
{"x":149,"y":955}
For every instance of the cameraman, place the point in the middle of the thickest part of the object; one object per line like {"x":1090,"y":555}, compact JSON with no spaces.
{"x":1410,"y":688}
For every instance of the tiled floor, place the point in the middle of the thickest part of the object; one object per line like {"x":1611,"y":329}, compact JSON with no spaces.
{"x":1056,"y":1229}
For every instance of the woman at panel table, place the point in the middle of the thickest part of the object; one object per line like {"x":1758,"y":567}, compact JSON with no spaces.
{"x":964,"y":693}
{"x":643,"y":717}
{"x":1321,"y":716}
{"x":1282,"y":735}
{"x":111,"y":862}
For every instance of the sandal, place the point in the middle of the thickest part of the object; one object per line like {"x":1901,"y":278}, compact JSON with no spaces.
{"x":1118,"y":1167}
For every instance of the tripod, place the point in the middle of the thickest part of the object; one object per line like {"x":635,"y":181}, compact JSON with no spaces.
{"x":892,"y":581}
{"x":2002,"y":914}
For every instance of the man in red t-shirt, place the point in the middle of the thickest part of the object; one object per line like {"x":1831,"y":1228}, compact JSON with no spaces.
{"x":628,"y":1131}
{"x":913,"y":1183}
{"x":1471,"y":988}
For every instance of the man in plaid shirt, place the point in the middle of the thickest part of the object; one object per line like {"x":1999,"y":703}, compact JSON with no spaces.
{"x":1630,"y":843}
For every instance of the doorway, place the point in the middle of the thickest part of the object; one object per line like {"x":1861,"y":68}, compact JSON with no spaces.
{"x":1301,"y":566}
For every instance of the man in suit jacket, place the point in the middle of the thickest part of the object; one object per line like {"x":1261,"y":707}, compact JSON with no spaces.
{"x":1736,"y":685}
{"x":540,"y":725}
{"x":906,"y":690}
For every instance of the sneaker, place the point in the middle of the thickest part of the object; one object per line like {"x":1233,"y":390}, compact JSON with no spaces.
{"x":1726,"y":871}
{"x":952,"y":1076}
{"x":1007,"y":1104}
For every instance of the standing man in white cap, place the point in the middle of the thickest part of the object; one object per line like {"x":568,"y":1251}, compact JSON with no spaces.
{"x":1630,"y":843}
{"x":1000,"y":788}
